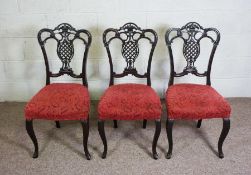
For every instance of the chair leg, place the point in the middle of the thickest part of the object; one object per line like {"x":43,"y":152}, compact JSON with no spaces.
{"x":199,"y":123}
{"x":85,"y":126}
{"x":224,"y":132}
{"x":144,"y":123}
{"x":155,"y":139}
{"x":101,"y":131}
{"x":115,"y":124}
{"x":58,"y":124}
{"x":169,"y":128}
{"x":30,"y":131}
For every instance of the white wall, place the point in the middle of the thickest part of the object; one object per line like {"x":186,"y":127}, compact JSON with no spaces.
{"x":22,"y":71}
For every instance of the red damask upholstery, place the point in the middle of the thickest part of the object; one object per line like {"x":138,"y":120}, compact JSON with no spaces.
{"x":59,"y":101}
{"x":129,"y":102}
{"x":193,"y":101}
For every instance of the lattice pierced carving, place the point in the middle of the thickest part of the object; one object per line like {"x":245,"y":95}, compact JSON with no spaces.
{"x":65,"y":52}
{"x":65,"y":48}
{"x":130,"y":52}
{"x":191,"y":47}
{"x":130,"y":47}
{"x":191,"y":50}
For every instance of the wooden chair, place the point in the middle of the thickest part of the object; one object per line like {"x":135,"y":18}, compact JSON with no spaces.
{"x":61,"y":101}
{"x":194,"y":101}
{"x":129,"y":101}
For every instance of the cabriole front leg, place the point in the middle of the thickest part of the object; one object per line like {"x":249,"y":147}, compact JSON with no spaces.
{"x":30,"y":131}
{"x":155,"y":138}
{"x":169,"y":130}
{"x":101,"y":131}
{"x":85,"y":126}
{"x":224,"y":132}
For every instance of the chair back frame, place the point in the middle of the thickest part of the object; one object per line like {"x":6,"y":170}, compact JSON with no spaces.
{"x":130,"y":34}
{"x":65,"y":35}
{"x":191,"y":34}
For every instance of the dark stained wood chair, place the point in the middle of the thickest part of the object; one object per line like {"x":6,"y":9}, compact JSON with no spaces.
{"x":129,"y":101}
{"x":194,"y":101}
{"x":61,"y":101}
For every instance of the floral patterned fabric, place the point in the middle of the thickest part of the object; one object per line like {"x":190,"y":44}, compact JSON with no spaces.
{"x":59,"y":101}
{"x":129,"y":102}
{"x":193,"y":101}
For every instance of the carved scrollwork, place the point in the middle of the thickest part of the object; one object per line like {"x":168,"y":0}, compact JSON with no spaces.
{"x":191,"y":47}
{"x":130,"y":47}
{"x":65,"y":48}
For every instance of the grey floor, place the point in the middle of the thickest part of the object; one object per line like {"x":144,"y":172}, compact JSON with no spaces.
{"x":129,"y":146}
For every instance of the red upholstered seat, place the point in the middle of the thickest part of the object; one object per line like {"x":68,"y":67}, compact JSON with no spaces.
{"x":129,"y":102}
{"x":59,"y":101}
{"x":193,"y":101}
